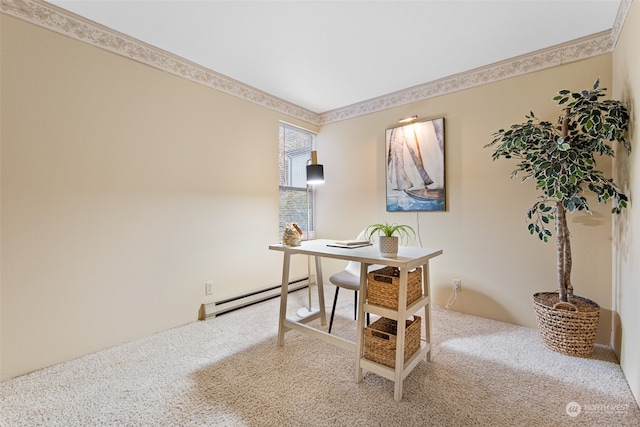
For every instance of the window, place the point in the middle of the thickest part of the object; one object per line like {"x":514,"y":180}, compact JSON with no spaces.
{"x":295,"y":150}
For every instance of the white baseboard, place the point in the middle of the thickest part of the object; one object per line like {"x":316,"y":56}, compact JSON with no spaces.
{"x":216,"y":308}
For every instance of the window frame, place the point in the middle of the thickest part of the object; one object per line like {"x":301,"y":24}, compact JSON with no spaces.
{"x":294,"y":175}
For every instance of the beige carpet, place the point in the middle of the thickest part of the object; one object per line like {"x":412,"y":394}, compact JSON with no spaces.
{"x":228,"y":371}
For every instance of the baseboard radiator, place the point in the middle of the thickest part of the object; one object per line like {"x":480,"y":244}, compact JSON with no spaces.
{"x":217,"y":308}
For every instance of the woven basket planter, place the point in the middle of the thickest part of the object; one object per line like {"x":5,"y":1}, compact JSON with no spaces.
{"x":565,"y":329}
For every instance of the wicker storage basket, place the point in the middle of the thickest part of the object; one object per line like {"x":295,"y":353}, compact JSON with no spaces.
{"x":565,"y":329}
{"x":384,"y":286}
{"x":381,"y":336}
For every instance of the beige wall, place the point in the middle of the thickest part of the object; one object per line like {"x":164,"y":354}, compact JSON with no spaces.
{"x":626,"y":231}
{"x":483,"y":233}
{"x":124,"y":190}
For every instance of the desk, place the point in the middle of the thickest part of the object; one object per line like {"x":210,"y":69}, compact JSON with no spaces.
{"x":408,"y":259}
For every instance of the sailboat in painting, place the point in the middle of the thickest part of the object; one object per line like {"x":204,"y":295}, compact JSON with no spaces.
{"x":415,"y":166}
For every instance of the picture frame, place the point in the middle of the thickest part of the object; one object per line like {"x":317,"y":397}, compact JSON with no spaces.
{"x":415,"y":166}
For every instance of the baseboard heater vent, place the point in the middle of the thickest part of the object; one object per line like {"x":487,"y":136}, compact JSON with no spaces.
{"x":224,"y":306}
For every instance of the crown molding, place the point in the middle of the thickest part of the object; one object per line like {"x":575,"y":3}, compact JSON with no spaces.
{"x":623,"y":10}
{"x":56,"y":19}
{"x":545,"y":58}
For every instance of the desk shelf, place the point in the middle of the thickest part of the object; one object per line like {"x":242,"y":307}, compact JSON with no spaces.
{"x":401,"y":370}
{"x":388,"y":372}
{"x":390,"y":313}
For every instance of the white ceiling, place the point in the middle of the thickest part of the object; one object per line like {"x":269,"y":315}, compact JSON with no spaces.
{"x":327,"y":54}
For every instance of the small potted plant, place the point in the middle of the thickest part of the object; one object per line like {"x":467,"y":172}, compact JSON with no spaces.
{"x":561,"y":158}
{"x":389,"y":236}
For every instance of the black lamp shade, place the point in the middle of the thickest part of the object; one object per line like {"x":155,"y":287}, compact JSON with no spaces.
{"x":315,"y":174}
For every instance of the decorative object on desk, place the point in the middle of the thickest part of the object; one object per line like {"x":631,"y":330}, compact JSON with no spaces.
{"x":381,"y":336}
{"x":315,"y":175}
{"x":415,"y":175}
{"x":388,"y":241}
{"x":292,"y":234}
{"x":561,"y":158}
{"x":384,"y":286}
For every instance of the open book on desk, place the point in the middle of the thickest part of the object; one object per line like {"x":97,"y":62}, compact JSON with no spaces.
{"x":350,"y":243}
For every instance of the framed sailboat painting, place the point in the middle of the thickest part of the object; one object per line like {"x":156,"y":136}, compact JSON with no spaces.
{"x":415,"y":171}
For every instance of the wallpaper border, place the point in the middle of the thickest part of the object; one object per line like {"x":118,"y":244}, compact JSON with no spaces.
{"x":64,"y":22}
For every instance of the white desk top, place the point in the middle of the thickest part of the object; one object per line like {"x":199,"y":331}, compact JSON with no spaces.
{"x":408,"y":256}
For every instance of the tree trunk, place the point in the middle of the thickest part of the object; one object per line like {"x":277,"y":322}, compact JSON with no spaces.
{"x":567,"y":262}
{"x":561,"y":229}
{"x":565,"y":288}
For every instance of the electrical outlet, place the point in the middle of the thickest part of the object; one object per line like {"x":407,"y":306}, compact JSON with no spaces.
{"x":208,"y":288}
{"x":457,"y":284}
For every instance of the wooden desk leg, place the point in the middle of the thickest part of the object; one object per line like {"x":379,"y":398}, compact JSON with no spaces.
{"x":427,"y":308}
{"x":283,"y":298}
{"x":360,"y":324}
{"x":323,"y":316}
{"x":400,"y":337}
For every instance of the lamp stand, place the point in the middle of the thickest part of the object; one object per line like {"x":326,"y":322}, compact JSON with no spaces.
{"x":309,"y":310}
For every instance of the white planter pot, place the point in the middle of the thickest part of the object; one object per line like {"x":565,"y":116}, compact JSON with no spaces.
{"x":389,"y":246}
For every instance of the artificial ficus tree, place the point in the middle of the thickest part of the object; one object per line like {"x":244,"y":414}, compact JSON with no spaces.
{"x":562,"y":159}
